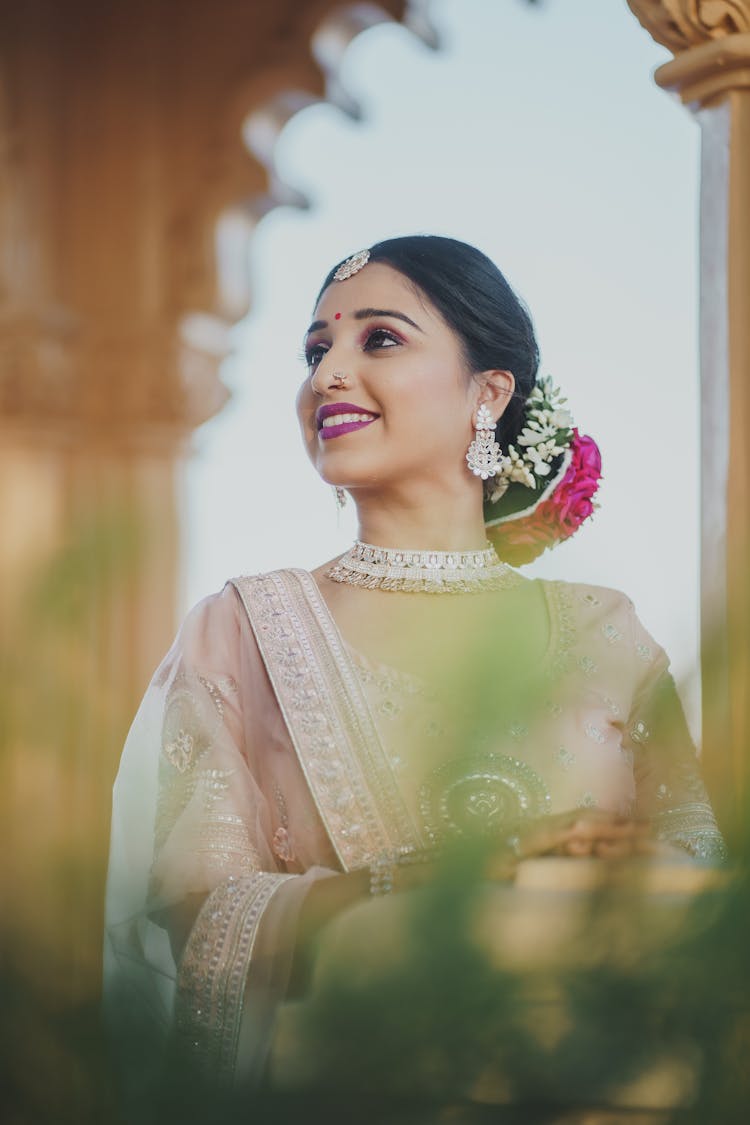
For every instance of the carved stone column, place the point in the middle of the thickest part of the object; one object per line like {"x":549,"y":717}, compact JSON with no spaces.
{"x":711,"y":74}
{"x":127,"y":195}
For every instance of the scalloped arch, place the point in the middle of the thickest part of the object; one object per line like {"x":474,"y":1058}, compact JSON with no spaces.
{"x":276,"y":96}
{"x":680,"y":24}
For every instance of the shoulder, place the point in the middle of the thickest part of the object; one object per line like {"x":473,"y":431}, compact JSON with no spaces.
{"x":610,"y":616}
{"x":225,"y":605}
{"x":591,"y":600}
{"x":214,"y":630}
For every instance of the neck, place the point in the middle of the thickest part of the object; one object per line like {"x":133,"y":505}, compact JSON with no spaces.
{"x":423,"y":523}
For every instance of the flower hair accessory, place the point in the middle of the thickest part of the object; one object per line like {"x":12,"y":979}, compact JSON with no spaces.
{"x":544,"y":487}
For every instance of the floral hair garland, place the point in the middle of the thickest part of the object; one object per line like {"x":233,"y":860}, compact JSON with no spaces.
{"x":558,"y":465}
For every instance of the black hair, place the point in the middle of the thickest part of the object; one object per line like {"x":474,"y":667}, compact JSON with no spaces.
{"x":475,"y":300}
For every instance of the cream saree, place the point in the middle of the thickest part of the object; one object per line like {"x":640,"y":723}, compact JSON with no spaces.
{"x":268,"y":754}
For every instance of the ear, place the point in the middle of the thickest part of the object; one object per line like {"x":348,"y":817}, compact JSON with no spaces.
{"x":496,"y":391}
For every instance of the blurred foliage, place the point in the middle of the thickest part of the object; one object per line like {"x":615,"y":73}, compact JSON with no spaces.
{"x":55,"y":761}
{"x":428,"y":1027}
{"x":631,"y":991}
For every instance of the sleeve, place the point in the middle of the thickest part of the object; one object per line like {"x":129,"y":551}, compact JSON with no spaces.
{"x":670,"y":791}
{"x":192,"y":832}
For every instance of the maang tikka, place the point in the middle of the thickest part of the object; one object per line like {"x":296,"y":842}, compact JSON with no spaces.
{"x":484,"y":456}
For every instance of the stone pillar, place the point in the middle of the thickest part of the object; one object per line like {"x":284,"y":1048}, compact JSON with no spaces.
{"x":127,"y":195}
{"x":711,"y":74}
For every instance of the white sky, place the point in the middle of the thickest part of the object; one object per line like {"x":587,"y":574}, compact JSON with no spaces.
{"x":538,"y":135}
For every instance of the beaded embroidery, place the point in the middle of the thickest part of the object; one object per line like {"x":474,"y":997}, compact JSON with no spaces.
{"x":213,"y":971}
{"x":335,"y":738}
{"x":564,"y":758}
{"x":480,"y":794}
{"x":693,"y":827}
{"x":225,"y":842}
{"x":611,"y":633}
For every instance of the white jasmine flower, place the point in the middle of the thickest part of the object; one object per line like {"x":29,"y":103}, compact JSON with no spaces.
{"x":539,"y":461}
{"x":530,"y":437}
{"x":562,"y":419}
{"x":500,"y":488}
{"x":524,"y":476}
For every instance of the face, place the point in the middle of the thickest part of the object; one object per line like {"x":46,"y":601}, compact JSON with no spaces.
{"x":406,"y":380}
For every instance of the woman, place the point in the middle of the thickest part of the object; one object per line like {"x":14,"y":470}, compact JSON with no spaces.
{"x":313,"y":738}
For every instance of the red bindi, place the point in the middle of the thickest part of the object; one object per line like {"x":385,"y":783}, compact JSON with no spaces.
{"x":337,"y":316}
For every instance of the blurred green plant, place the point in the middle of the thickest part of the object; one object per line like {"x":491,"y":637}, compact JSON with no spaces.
{"x":418,"y":1013}
{"x":55,"y":763}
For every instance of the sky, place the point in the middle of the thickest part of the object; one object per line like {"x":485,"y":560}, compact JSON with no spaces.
{"x":537,"y":134}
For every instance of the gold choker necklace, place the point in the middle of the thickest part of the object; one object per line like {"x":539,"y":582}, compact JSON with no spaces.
{"x":423,"y":572}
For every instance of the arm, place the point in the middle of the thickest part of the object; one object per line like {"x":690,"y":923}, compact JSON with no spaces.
{"x":670,"y":791}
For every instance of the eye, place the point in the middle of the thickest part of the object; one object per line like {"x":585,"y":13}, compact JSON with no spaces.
{"x":380,"y":338}
{"x":314,"y":353}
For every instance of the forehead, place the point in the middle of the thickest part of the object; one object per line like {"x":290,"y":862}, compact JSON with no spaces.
{"x":377,"y":286}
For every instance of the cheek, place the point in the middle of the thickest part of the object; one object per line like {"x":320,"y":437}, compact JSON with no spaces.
{"x":436,"y":410}
{"x":305,"y":409}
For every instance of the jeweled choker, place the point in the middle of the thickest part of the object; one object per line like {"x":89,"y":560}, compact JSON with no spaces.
{"x":424,"y":572}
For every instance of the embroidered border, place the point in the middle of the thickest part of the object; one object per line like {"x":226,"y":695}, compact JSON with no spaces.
{"x":326,"y":713}
{"x":213,"y":972}
{"x":692,"y":826}
{"x":563,"y":636}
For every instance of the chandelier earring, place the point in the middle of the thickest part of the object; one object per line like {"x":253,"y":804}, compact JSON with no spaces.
{"x":484,"y":456}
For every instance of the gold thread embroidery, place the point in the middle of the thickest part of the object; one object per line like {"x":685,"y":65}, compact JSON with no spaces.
{"x":337,"y":744}
{"x":213,"y":971}
{"x":225,"y":842}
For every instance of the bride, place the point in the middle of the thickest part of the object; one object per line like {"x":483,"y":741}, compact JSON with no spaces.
{"x":315,"y":738}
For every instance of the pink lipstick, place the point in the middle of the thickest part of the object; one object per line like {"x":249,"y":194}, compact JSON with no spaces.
{"x":336,"y":419}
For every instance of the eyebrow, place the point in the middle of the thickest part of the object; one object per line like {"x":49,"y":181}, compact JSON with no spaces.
{"x":366,"y":314}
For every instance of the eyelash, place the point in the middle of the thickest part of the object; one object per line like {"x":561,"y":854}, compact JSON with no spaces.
{"x":385,"y":333}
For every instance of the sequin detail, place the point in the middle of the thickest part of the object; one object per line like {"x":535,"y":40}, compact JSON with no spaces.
{"x":481,"y":794}
{"x":335,"y":738}
{"x":225,"y":844}
{"x":213,"y":971}
{"x":562,"y":625}
{"x":692,"y":826}
{"x":639,"y":733}
{"x":564,"y":758}
{"x":179,"y":750}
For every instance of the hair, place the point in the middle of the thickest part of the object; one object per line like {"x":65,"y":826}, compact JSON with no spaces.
{"x":477,"y":303}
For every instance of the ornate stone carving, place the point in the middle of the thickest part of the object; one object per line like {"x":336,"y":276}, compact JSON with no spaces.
{"x":125,"y":213}
{"x":679,"y":24}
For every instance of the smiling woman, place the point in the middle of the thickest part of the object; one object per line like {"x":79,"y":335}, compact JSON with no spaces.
{"x":316,"y":738}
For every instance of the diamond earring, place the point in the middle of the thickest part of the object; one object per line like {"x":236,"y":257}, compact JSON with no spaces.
{"x":340,"y":497}
{"x":484,"y":457}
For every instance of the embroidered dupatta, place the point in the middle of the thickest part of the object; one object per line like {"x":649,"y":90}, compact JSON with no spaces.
{"x":252,"y":770}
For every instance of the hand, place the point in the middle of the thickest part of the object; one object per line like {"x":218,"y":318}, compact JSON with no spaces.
{"x":579,"y":832}
{"x":586,"y":832}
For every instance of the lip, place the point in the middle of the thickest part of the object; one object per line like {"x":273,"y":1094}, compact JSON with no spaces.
{"x":331,"y":408}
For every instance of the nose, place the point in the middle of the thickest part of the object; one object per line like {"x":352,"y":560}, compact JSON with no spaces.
{"x":325,"y":377}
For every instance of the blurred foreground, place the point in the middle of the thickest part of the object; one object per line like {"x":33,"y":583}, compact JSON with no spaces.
{"x":587,"y":992}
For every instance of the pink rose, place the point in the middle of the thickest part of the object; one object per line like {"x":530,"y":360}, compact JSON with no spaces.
{"x":572,"y":497}
{"x":561,"y":514}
